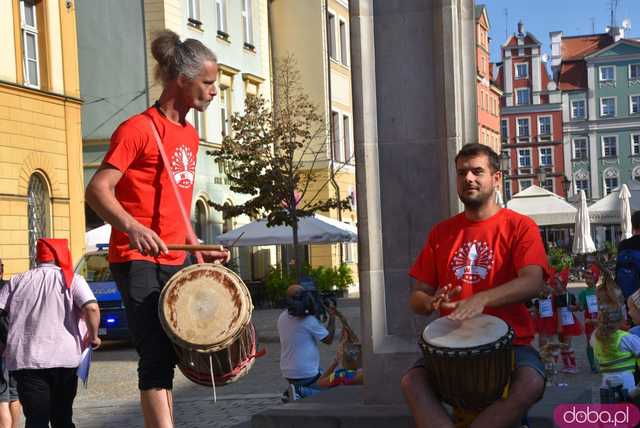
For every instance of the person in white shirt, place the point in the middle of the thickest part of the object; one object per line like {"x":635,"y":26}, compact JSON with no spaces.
{"x":300,"y":332}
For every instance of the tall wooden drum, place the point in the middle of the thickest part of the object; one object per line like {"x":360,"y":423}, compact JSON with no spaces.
{"x":205,"y":310}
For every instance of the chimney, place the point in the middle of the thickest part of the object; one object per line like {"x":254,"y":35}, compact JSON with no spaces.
{"x":556,"y":51}
{"x":521,"y":29}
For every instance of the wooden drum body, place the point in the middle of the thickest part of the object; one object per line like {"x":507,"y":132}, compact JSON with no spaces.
{"x":205,"y":310}
{"x":469,"y":363}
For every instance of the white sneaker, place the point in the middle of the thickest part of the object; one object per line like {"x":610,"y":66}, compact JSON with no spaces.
{"x":293,"y":394}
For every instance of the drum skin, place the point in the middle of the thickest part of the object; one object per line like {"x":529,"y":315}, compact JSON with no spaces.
{"x":205,"y":310}
{"x":473,"y":377}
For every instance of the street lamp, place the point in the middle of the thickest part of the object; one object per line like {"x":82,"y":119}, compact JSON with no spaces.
{"x":566,"y":185}
{"x":505,"y":164}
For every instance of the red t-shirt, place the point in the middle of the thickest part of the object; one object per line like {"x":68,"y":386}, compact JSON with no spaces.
{"x":144,"y":189}
{"x":482,"y":255}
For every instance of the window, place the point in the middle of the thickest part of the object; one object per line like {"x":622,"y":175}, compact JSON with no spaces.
{"x":194,"y":11}
{"x":199,"y":124}
{"x":547,"y":184}
{"x":634,"y":104}
{"x":578,"y":109}
{"x":524,"y":158}
{"x":335,"y":135}
{"x":346,"y":132}
{"x":224,"y":96}
{"x":221,"y":16}
{"x":344,"y":52}
{"x":507,"y":190}
{"x":522,"y":70}
{"x":504,"y":129}
{"x":635,"y":144}
{"x":607,"y":107}
{"x":544,"y":125}
{"x":525,"y":184}
{"x":38,"y":213}
{"x":28,"y":17}
{"x":331,"y":36}
{"x":610,"y":146}
{"x":522,"y":96}
{"x":607,"y":73}
{"x":546,"y":157}
{"x":580,"y":149}
{"x":247,"y":22}
{"x":200,"y":217}
{"x":636,"y":173}
{"x":582,"y":184}
{"x":523,"y":129}
{"x":634,"y":71}
{"x":610,"y":180}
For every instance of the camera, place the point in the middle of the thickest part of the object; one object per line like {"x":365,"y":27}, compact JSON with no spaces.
{"x":310,"y":301}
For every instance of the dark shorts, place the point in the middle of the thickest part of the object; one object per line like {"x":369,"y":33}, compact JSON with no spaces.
{"x":140,"y":283}
{"x":8,"y":385}
{"x":525,"y":356}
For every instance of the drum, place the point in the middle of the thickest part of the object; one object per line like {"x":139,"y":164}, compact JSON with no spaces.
{"x":205,"y":310}
{"x":469,"y":362}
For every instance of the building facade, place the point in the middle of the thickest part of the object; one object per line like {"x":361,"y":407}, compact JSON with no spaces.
{"x":488,"y":94}
{"x":316,"y":34}
{"x":599,"y":76}
{"x":530,"y":117}
{"x":41,"y":184}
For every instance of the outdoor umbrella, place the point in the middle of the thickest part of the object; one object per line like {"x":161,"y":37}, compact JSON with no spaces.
{"x":315,"y":229}
{"x":625,"y":211}
{"x":582,"y":242}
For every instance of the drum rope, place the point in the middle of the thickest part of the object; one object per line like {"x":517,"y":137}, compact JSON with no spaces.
{"x":213,"y":382}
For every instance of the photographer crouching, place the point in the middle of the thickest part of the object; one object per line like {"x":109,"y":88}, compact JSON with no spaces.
{"x":300,"y":331}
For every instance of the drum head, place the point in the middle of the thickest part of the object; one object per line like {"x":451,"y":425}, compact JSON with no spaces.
{"x":204,"y":307}
{"x":481,"y":330}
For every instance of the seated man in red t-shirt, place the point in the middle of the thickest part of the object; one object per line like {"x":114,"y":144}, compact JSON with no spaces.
{"x":485,"y":260}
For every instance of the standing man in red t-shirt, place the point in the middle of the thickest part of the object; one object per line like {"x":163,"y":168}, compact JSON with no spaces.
{"x":132,"y":192}
{"x":485,"y":260}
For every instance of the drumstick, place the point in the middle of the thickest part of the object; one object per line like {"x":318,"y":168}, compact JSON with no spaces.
{"x":192,"y":247}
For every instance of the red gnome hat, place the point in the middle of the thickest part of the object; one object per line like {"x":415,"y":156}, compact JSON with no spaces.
{"x":564,"y":276}
{"x":595,"y":271}
{"x":56,"y":251}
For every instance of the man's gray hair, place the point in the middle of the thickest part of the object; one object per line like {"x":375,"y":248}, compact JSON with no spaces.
{"x":175,"y":57}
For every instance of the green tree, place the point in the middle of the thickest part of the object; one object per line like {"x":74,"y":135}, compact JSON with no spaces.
{"x":270,"y":155}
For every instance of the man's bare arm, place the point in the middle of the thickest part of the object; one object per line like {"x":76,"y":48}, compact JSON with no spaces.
{"x":422,"y":298}
{"x":100,"y":195}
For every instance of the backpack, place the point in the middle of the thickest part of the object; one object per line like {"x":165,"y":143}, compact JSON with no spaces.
{"x":628,"y":271}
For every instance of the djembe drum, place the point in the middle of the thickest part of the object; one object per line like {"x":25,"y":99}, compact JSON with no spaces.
{"x":468,"y":362}
{"x":205,"y":310}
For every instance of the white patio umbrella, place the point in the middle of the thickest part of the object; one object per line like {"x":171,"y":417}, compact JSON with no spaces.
{"x":316,"y":229}
{"x":625,"y":212}
{"x":582,"y":241}
{"x":99,"y":235}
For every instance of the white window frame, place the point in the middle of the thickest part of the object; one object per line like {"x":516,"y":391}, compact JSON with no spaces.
{"x":584,"y":109}
{"x":515,"y":70}
{"x":200,"y":124}
{"x":602,"y":145}
{"x":346,"y":135}
{"x":637,"y":77}
{"x":223,"y":97}
{"x":602,"y":67}
{"x":193,"y":10}
{"x":528,"y":137}
{"x":605,"y":178}
{"x":507,"y":189}
{"x":540,"y":149}
{"x":576,"y":179}
{"x":573,"y":144}
{"x":336,"y":136}
{"x":344,"y":42}
{"x":615,"y":106}
{"x":522,"y":180}
{"x":634,"y":152}
{"x":247,"y":21}
{"x":631,"y":97}
{"x":550,"y":125}
{"x":520,"y":90}
{"x":32,"y":31}
{"x":221,"y":16}
{"x":332,"y":39}
{"x":528,"y":149}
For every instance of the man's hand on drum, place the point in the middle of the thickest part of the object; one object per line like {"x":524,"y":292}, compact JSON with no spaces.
{"x":222,"y":256}
{"x":145,"y":240}
{"x":442,"y":298}
{"x":468,"y":308}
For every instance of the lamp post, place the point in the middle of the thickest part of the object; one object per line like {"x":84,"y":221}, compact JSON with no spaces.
{"x":505,"y":164}
{"x":566,"y":185}
{"x":541,"y":175}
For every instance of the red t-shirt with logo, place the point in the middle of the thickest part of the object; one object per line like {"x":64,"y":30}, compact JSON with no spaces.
{"x":144,"y":189}
{"x":482,"y":255}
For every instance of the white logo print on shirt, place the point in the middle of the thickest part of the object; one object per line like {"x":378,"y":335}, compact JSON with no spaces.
{"x":183,"y":166}
{"x":472,"y":262}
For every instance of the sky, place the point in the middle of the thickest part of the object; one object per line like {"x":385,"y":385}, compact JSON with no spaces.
{"x":540,"y":17}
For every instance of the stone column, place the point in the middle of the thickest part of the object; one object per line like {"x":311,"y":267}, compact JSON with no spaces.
{"x":413,"y":72}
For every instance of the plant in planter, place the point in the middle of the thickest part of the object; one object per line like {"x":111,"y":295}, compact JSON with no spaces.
{"x":276,"y":283}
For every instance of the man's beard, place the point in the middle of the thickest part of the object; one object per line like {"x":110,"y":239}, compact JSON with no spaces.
{"x":476,"y":201}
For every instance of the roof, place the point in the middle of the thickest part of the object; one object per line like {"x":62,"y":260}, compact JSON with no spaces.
{"x":499,"y":77}
{"x":577,"y":47}
{"x":479,"y":11}
{"x":544,"y":207}
{"x":572,"y":76}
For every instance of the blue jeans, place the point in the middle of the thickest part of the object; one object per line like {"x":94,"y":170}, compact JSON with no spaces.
{"x":307,"y":387}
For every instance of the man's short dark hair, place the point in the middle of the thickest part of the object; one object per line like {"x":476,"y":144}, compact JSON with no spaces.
{"x":635,"y":220}
{"x":476,"y":149}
